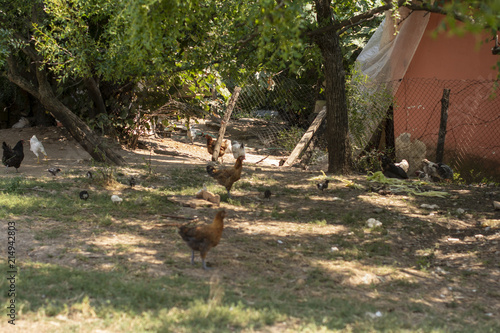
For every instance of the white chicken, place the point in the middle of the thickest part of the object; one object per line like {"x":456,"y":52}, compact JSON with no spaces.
{"x":403,"y":165}
{"x":238,"y":149}
{"x":116,"y":199}
{"x":36,"y":147}
{"x":191,"y":134}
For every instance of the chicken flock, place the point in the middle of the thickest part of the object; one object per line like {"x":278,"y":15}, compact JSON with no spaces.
{"x":432,"y":172}
{"x":13,"y":157}
{"x":202,"y":238}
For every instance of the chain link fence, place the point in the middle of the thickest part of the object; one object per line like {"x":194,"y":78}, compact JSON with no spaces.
{"x":282,"y":110}
{"x":472,"y":141}
{"x":281,"y":107}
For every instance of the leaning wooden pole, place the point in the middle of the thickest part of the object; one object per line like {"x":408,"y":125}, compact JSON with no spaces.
{"x":225,"y":121}
{"x":306,"y":138}
{"x":445,"y":103}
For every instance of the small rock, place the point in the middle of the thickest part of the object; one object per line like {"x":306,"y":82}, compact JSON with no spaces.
{"x":372,"y":223}
{"x":116,"y":199}
{"x":433,"y":206}
{"x":372,"y":315}
{"x":441,"y":271}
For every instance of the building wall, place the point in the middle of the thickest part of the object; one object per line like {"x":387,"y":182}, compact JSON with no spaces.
{"x":452,"y":57}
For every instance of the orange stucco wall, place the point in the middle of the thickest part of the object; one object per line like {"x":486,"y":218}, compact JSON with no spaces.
{"x":450,"y":57}
{"x":465,"y":66}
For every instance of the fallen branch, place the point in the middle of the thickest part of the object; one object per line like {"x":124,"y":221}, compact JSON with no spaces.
{"x":262,"y":159}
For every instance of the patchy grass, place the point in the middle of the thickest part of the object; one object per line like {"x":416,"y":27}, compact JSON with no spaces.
{"x":301,"y":261}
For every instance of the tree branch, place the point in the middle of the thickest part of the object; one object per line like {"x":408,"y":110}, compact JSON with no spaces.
{"x":366,"y":16}
{"x":437,"y":10}
{"x":15,"y":77}
{"x":355,"y":20}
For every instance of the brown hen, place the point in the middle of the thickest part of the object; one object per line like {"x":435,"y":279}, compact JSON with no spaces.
{"x":228,"y":176}
{"x":211,"y":145}
{"x":204,"y":237}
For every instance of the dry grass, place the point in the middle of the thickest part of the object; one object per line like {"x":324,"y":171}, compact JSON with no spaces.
{"x":301,"y":261}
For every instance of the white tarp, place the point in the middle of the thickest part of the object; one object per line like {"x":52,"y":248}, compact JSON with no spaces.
{"x":384,"y":61}
{"x":388,"y":54}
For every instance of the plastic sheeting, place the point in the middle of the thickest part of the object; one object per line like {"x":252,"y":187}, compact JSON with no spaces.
{"x":385,"y":60}
{"x":388,"y":54}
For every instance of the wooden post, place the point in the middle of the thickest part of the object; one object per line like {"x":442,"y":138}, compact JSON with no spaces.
{"x":390,"y":141}
{"x":445,"y":102}
{"x":224,"y":122}
{"x":306,"y":138}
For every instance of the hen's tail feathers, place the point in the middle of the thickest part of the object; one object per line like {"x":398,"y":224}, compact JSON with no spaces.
{"x":5,"y":146}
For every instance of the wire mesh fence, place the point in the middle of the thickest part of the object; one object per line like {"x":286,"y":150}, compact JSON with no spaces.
{"x":284,"y":109}
{"x":282,"y":105}
{"x":472,"y":137}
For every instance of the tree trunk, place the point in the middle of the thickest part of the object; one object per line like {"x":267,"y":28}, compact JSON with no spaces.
{"x":225,"y":122}
{"x":82,"y":133}
{"x":337,"y":132}
{"x":96,"y":96}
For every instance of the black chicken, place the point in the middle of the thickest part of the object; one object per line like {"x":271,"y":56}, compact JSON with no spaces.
{"x":437,"y":171}
{"x":391,"y":170}
{"x":84,"y":195}
{"x":324,"y":185}
{"x":131,"y":182}
{"x":12,"y":157}
{"x":54,"y":171}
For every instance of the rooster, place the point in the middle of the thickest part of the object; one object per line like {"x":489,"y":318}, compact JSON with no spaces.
{"x":205,"y":237}
{"x":228,"y":176}
{"x":36,"y":147}
{"x":437,"y":171}
{"x":211,"y":145}
{"x":12,"y":157}
{"x":391,"y":170}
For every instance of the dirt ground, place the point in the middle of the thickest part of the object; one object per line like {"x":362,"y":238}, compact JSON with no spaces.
{"x":433,"y":247}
